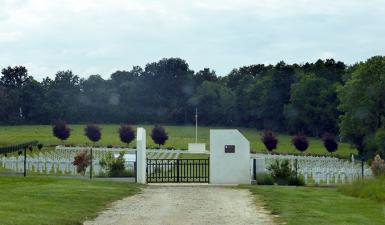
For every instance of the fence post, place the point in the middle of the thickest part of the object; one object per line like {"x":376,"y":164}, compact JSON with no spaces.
{"x":25,"y":162}
{"x":296,"y":168}
{"x":362,"y":168}
{"x":177,"y":170}
{"x":254,"y":168}
{"x":135,"y":165}
{"x":91,"y":166}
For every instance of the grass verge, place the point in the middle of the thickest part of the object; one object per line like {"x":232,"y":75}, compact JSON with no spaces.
{"x":372,"y":188}
{"x":318,"y":206}
{"x":179,"y":137}
{"x":36,"y":200}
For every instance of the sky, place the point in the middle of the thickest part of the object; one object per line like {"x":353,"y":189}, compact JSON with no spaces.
{"x":100,"y":36}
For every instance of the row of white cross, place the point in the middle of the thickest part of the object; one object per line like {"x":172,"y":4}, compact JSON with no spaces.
{"x":60,"y":160}
{"x":317,"y":170}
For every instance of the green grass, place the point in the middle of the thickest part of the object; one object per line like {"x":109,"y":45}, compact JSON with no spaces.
{"x":179,"y":137}
{"x":373,"y":188}
{"x":318,"y":206}
{"x":57,"y":201}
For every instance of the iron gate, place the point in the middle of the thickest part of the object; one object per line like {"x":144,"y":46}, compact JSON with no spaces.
{"x":178,"y":170}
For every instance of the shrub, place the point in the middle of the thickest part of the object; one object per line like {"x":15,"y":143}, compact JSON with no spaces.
{"x":264,"y":179}
{"x":114,"y":166}
{"x":296,"y":181}
{"x":93,"y":133}
{"x":159,"y":135}
{"x":126,"y":134}
{"x":281,"y":171}
{"x":82,"y":160}
{"x":378,"y":166}
{"x":300,"y":142}
{"x":40,"y":146}
{"x":61,"y":131}
{"x":269,"y":140}
{"x":330,"y":142}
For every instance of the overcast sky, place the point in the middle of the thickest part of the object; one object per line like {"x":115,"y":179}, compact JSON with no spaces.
{"x":102,"y":36}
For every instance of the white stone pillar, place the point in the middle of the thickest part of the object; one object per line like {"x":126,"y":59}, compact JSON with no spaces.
{"x":229,"y":157}
{"x":141,"y":155}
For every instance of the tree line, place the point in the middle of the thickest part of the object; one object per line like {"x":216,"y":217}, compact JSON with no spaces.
{"x":312,"y":98}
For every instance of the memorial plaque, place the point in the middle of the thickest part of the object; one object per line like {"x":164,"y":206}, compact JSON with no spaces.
{"x":229,"y":148}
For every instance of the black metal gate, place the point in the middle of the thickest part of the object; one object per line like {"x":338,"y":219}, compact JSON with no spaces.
{"x":178,"y":170}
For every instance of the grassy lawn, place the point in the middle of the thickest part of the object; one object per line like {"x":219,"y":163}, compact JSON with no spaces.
{"x":371,"y":188}
{"x":316,"y":206}
{"x":34,"y":200}
{"x":179,"y":137}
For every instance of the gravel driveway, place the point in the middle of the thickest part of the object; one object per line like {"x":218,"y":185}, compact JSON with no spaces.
{"x":178,"y":205}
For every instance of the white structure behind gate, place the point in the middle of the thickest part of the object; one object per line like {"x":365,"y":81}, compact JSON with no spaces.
{"x":229,"y":157}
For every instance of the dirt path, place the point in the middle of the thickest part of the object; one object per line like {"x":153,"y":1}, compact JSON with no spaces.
{"x":178,"y":205}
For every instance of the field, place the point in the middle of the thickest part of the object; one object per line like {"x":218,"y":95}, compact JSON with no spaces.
{"x":35,"y":200}
{"x":179,"y":137}
{"x":318,"y":206}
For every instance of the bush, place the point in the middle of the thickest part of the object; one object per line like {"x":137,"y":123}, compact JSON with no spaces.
{"x":281,"y":171}
{"x":159,"y":135}
{"x":378,"y":166}
{"x":264,"y":179}
{"x":82,"y":160}
{"x":61,"y":131}
{"x":296,"y":181}
{"x":300,"y":142}
{"x":93,"y":133}
{"x":126,"y":134}
{"x":269,"y":140}
{"x":330,"y":142}
{"x":114,"y":166}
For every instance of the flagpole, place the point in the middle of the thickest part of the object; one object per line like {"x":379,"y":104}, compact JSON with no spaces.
{"x":196,"y":125}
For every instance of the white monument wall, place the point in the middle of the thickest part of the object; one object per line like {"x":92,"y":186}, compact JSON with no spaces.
{"x":229,"y":157}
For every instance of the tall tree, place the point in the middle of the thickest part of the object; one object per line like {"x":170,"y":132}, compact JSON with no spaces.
{"x":216,"y":104}
{"x":363,"y":103}
{"x":13,"y":80}
{"x":313,"y":106}
{"x":169,"y":84}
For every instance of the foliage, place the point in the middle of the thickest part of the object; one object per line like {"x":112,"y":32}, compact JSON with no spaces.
{"x":159,"y":135}
{"x":93,"y":133}
{"x":379,"y":138}
{"x":372,"y":188}
{"x":61,"y":131}
{"x":300,"y":142}
{"x":167,"y":91}
{"x":378,"y":166}
{"x":82,"y":160}
{"x":269,"y":140}
{"x":126,"y":133}
{"x":281,"y":171}
{"x":362,"y":101}
{"x":215,"y":103}
{"x":115,"y":166}
{"x":313,"y":106}
{"x":330,"y":142}
{"x":296,"y":181}
{"x":264,"y":179}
